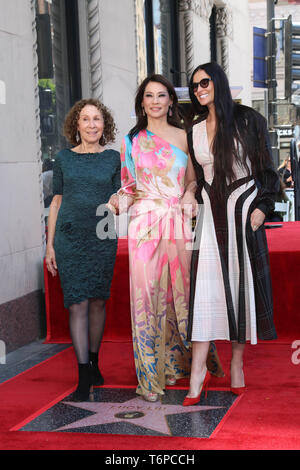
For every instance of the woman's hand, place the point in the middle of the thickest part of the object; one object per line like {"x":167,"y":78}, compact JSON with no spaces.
{"x":113,"y":204}
{"x":51,"y":261}
{"x":189,"y":203}
{"x":120,"y":203}
{"x":257,"y":219}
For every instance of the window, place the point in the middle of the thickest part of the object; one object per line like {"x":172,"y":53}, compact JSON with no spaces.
{"x":161,"y":32}
{"x":59,"y":76}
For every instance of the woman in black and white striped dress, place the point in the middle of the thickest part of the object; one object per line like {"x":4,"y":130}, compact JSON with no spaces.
{"x":231,"y":293}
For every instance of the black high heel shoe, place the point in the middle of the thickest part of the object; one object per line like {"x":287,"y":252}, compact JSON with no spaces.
{"x":97,"y":378}
{"x":85,"y":386}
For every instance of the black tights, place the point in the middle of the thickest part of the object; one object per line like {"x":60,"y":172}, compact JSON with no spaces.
{"x":86,"y":322}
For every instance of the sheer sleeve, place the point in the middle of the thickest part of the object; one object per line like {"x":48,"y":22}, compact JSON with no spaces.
{"x":267,"y":179}
{"x":128,"y":178}
{"x":58,"y":180}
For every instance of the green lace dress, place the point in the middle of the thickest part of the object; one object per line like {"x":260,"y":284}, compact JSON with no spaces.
{"x":85,"y":240}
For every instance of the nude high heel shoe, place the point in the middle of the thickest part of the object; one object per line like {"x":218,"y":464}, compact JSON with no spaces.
{"x":151,"y":396}
{"x":170,"y":380}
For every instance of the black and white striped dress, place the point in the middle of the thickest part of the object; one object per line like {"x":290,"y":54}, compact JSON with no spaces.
{"x":231,"y":293}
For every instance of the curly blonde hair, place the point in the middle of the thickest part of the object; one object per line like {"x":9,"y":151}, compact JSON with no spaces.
{"x":71,"y":122}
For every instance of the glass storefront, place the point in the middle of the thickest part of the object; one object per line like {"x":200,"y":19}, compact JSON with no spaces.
{"x":158,"y":39}
{"x":59,"y":76}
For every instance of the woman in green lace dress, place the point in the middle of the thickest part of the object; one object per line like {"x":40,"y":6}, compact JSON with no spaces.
{"x":82,"y":243}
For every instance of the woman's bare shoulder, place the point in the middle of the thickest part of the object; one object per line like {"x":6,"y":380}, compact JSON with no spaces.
{"x":182,"y":138}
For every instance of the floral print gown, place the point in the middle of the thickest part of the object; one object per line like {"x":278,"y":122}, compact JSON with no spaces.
{"x":159,"y":237}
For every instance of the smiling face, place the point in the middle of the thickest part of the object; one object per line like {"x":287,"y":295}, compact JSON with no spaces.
{"x":156,"y":100}
{"x":90,"y":124}
{"x":205,"y":96}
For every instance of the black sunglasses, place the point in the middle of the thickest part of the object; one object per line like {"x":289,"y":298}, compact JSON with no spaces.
{"x":203,"y":83}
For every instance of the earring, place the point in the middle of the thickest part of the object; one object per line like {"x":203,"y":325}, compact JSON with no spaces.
{"x":144,"y":114}
{"x":77,"y":137}
{"x":170,"y":112}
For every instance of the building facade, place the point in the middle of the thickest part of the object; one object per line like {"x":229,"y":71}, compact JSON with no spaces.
{"x":55,"y":52}
{"x":287,"y":114}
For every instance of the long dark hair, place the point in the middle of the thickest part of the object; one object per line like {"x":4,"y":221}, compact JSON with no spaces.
{"x":234,"y":139}
{"x":142,"y":121}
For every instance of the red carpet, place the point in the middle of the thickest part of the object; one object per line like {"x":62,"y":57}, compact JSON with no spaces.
{"x":267,"y":416}
{"x":284,"y":247}
{"x":118,"y":326}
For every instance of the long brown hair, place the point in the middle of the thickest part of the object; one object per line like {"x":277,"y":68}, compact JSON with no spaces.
{"x":142,"y":120}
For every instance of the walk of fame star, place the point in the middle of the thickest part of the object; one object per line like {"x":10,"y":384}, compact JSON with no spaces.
{"x":121,"y":411}
{"x":149,"y":415}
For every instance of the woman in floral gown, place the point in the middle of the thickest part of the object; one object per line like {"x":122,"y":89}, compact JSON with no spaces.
{"x":158,"y":183}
